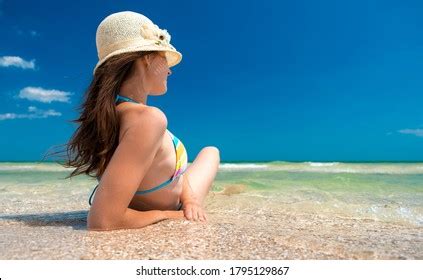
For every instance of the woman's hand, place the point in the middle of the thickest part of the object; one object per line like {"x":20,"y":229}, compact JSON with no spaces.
{"x":193,"y":211}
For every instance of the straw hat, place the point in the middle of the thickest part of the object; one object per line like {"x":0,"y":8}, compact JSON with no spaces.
{"x":128,"y":31}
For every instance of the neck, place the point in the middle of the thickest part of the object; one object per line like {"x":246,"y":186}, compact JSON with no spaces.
{"x":133,"y":88}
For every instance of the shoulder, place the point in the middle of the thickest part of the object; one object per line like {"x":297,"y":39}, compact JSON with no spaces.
{"x":143,"y":119}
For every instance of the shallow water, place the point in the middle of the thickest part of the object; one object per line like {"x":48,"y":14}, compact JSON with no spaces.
{"x":276,"y":210}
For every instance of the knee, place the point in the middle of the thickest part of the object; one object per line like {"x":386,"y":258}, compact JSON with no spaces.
{"x":214,"y":150}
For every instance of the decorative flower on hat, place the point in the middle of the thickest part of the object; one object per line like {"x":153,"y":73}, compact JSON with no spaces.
{"x":153,"y":32}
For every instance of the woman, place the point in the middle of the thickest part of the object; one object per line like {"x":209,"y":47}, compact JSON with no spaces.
{"x":141,"y":166}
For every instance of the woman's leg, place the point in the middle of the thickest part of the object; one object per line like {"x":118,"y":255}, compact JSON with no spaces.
{"x":202,"y":171}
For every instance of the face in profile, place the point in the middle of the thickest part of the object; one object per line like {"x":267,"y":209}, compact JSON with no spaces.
{"x":156,"y":73}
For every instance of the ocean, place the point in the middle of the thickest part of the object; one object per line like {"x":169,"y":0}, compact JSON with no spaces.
{"x":297,"y":210}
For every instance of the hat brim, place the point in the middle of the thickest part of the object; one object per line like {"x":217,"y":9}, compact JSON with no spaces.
{"x":173,"y":57}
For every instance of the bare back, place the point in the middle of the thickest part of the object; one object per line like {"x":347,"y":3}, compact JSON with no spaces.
{"x":161,"y":169}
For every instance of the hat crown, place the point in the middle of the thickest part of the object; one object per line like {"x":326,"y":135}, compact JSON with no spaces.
{"x":128,"y":31}
{"x":127,"y":26}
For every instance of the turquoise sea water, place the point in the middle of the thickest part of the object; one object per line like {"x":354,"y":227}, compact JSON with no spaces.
{"x":381,"y":191}
{"x":274,"y":210}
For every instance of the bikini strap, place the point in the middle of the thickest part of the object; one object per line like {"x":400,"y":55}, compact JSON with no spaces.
{"x":92,"y":193}
{"x":174,"y":138}
{"x":124,"y":98}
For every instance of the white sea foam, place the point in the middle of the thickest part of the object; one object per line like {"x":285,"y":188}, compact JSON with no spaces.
{"x":235,"y":166}
{"x":321,"y":167}
{"x":53,"y":167}
{"x":322,"y":163}
{"x":340,"y":167}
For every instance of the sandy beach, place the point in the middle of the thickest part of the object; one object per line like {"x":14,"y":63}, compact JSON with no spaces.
{"x":41,"y":222}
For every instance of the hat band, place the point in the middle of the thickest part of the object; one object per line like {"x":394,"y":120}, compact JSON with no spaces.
{"x":139,"y":42}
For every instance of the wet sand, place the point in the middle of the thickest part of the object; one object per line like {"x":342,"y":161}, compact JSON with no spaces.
{"x":237,"y":229}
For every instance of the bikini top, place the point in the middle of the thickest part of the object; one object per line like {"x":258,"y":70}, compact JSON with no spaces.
{"x":180,"y":151}
{"x":181,"y":159}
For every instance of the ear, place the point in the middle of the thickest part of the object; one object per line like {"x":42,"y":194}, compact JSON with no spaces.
{"x":147,"y":59}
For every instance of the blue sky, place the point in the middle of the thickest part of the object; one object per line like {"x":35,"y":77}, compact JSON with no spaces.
{"x":260,"y":80}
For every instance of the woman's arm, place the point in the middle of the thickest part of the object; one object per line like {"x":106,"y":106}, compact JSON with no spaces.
{"x":138,"y":219}
{"x":126,"y":169}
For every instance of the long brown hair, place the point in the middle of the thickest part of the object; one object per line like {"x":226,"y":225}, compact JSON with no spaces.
{"x":93,"y":143}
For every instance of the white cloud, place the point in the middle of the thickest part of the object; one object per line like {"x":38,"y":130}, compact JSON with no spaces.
{"x":32,"y":108}
{"x":8,"y":116}
{"x":34,"y":33}
{"x":6,"y":61}
{"x":35,"y":113}
{"x":418,"y":132}
{"x":23,"y":31}
{"x":44,"y":95}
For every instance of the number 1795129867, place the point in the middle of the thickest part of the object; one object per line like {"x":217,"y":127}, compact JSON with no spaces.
{"x":251,"y":270}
